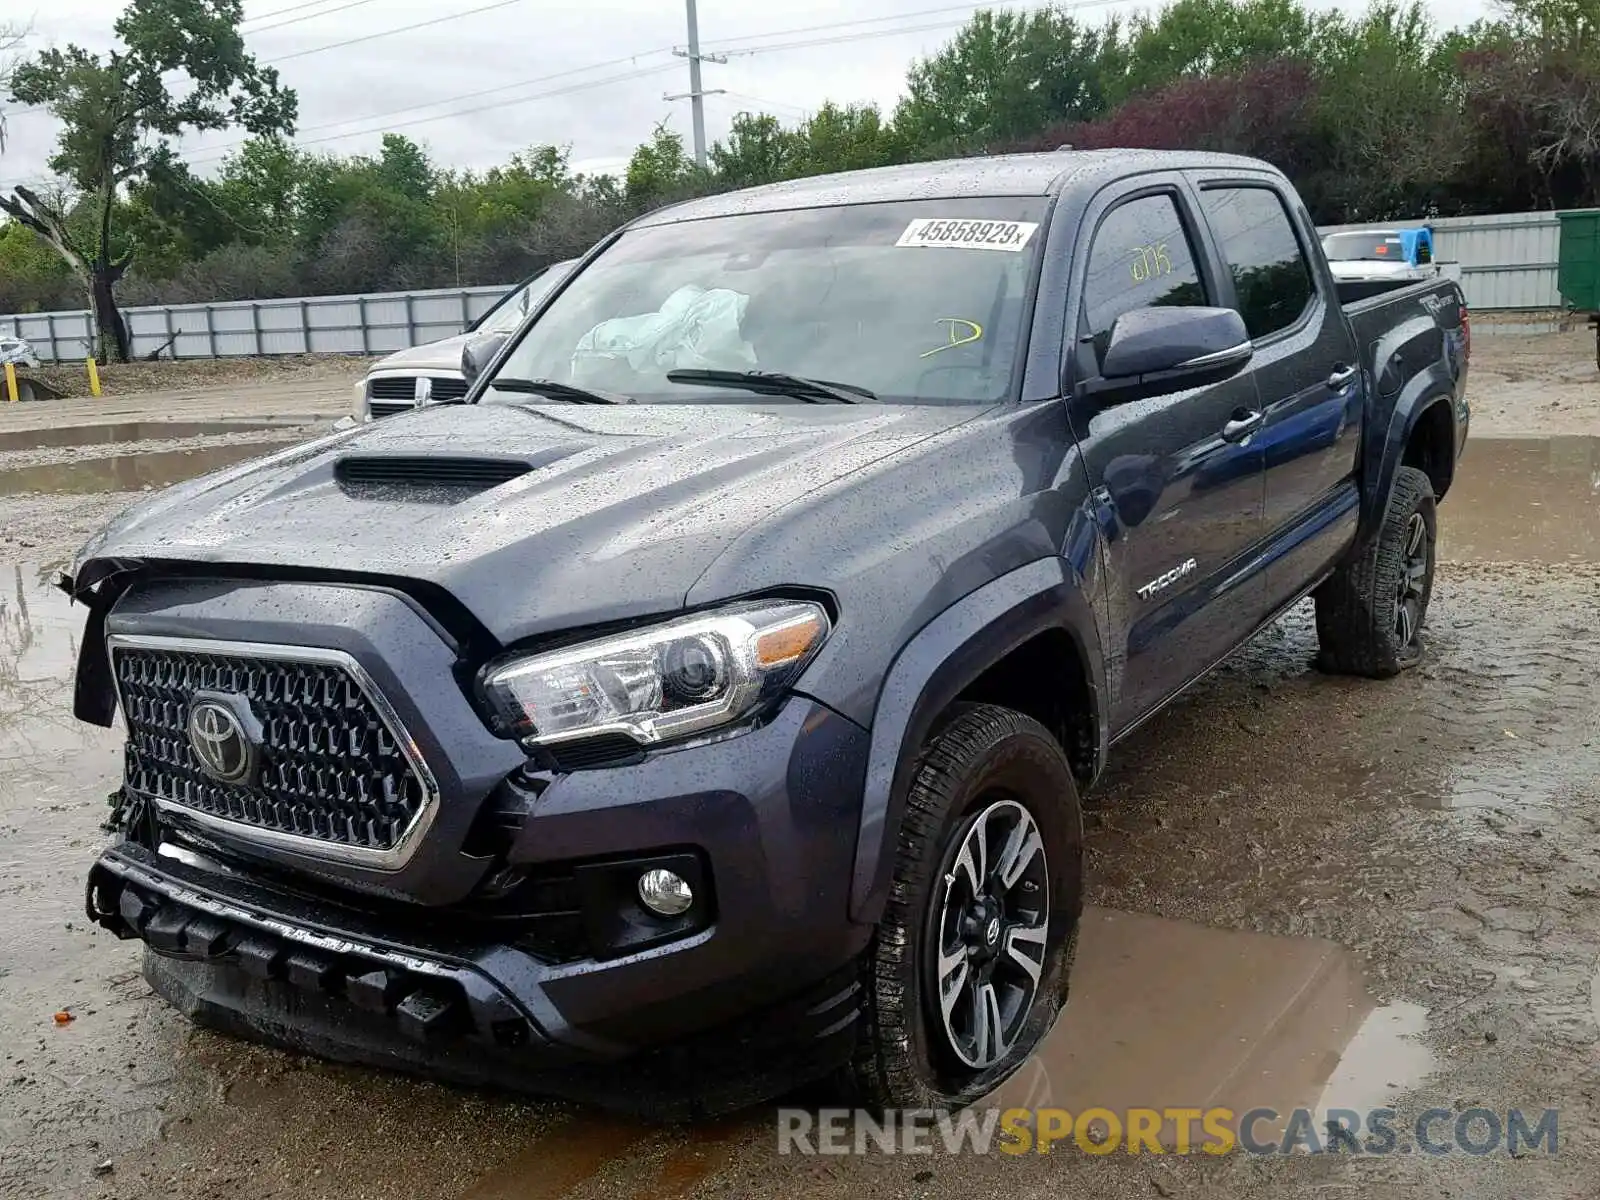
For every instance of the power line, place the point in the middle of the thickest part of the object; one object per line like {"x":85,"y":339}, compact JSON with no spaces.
{"x":847,"y":37}
{"x":968,"y":9}
{"x":42,"y":108}
{"x":613,"y":62}
{"x":327,"y":12}
{"x":467,"y":112}
{"x":383,"y":33}
{"x":905,"y":16}
{"x":368,"y":37}
{"x":764,"y":102}
{"x":880,"y":33}
{"x":278,"y":12}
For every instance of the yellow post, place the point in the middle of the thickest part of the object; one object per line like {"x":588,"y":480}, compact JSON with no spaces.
{"x":94,"y":378}
{"x":11,"y":383}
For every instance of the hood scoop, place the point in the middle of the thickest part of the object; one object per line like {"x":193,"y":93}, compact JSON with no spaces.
{"x":417,"y":477}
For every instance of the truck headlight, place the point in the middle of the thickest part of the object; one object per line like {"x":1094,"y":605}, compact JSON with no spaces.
{"x":358,"y":401}
{"x":660,"y":683}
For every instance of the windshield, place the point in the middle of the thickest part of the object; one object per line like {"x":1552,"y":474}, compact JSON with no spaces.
{"x":918,"y":302}
{"x":508,"y":314}
{"x":1364,"y":247}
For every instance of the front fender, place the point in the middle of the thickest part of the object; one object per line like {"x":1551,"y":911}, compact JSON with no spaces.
{"x":946,"y":656}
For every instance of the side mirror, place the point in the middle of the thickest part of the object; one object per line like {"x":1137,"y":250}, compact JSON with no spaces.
{"x":479,"y":353}
{"x":1175,"y":342}
{"x":1152,"y":351}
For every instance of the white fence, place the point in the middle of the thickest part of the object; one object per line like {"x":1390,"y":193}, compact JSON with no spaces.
{"x":376,"y":324}
{"x":1508,"y":261}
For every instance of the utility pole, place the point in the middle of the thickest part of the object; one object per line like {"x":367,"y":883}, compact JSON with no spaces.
{"x":696,"y":94}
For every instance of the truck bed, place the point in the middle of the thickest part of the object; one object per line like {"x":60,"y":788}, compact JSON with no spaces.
{"x":1372,"y":315}
{"x":1356,"y":291}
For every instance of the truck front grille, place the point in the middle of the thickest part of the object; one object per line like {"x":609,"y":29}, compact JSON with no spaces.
{"x":333,"y":767}
{"x":391,"y":394}
{"x":395,"y":387}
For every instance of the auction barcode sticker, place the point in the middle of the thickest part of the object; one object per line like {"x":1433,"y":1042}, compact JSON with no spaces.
{"x":964,"y":234}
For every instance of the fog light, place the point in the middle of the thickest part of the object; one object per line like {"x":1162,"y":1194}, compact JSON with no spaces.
{"x":665,"y":893}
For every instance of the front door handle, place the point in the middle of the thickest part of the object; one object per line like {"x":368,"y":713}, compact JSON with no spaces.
{"x":1340,"y":377}
{"x":1242,"y":424}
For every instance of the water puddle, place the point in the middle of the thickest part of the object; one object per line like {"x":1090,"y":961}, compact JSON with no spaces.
{"x":39,"y":636}
{"x":128,"y":431}
{"x":1167,"y":1014}
{"x":1163,"y":1014}
{"x":1524,"y":499}
{"x":38,"y":633}
{"x":129,"y":472}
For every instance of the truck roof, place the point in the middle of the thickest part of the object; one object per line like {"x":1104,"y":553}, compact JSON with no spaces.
{"x":1042,"y":174}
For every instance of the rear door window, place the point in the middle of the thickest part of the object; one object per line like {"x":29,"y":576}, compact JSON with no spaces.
{"x":1271,"y":277}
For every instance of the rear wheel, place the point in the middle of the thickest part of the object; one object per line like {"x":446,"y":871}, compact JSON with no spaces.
{"x":1370,"y":612}
{"x":969,"y":968}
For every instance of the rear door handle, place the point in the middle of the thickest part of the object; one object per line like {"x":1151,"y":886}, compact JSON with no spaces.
{"x":1242,"y":424}
{"x":1341,"y":376}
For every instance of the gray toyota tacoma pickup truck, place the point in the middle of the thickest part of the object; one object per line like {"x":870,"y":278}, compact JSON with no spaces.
{"x":701,"y":707}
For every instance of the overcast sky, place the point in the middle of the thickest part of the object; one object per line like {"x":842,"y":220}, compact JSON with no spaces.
{"x":504,"y":61}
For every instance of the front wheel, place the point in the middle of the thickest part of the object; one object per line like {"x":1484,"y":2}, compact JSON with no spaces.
{"x":1370,"y":611}
{"x":969,"y":967}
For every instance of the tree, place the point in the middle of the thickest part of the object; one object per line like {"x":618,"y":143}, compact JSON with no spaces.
{"x":1006,"y":75}
{"x":659,"y":170}
{"x":1392,"y":123}
{"x":1202,"y":38}
{"x":1260,"y":111}
{"x":1557,"y":56}
{"x":758,"y":150}
{"x":182,"y":67}
{"x":32,"y":277}
{"x":847,"y":137}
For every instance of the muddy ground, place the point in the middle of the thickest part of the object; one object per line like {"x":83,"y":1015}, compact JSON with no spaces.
{"x":1308,"y":891}
{"x":137,"y":378}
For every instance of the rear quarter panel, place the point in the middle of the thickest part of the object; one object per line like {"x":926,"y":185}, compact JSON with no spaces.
{"x":1413,"y":353}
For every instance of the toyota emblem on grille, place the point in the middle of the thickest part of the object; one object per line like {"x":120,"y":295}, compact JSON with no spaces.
{"x":221,"y":747}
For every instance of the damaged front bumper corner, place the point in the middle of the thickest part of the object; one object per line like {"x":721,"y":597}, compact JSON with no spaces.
{"x":249,"y":960}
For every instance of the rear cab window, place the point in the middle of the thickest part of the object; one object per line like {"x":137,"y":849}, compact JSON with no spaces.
{"x":1272,"y":280}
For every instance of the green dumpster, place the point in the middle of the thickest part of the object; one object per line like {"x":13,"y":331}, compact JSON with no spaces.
{"x":1578,"y":272}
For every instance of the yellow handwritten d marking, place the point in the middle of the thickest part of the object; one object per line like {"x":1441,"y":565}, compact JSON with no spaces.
{"x":953,"y":322}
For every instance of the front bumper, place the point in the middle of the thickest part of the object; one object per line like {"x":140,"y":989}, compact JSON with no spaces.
{"x":243,"y":960}
{"x":510,"y":948}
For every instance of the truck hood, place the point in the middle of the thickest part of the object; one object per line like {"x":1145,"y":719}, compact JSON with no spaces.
{"x":443,"y":357}
{"x":621,"y":509}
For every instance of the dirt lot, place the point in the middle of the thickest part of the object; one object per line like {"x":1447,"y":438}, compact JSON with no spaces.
{"x":1534,"y":383}
{"x":289,"y":372}
{"x":1309,"y":891}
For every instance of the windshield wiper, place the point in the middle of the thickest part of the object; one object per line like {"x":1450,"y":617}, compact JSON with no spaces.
{"x":776,"y":383}
{"x":555,"y":390}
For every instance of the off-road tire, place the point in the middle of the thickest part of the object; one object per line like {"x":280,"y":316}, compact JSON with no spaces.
{"x":1358,"y":607}
{"x":902,"y":1058}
